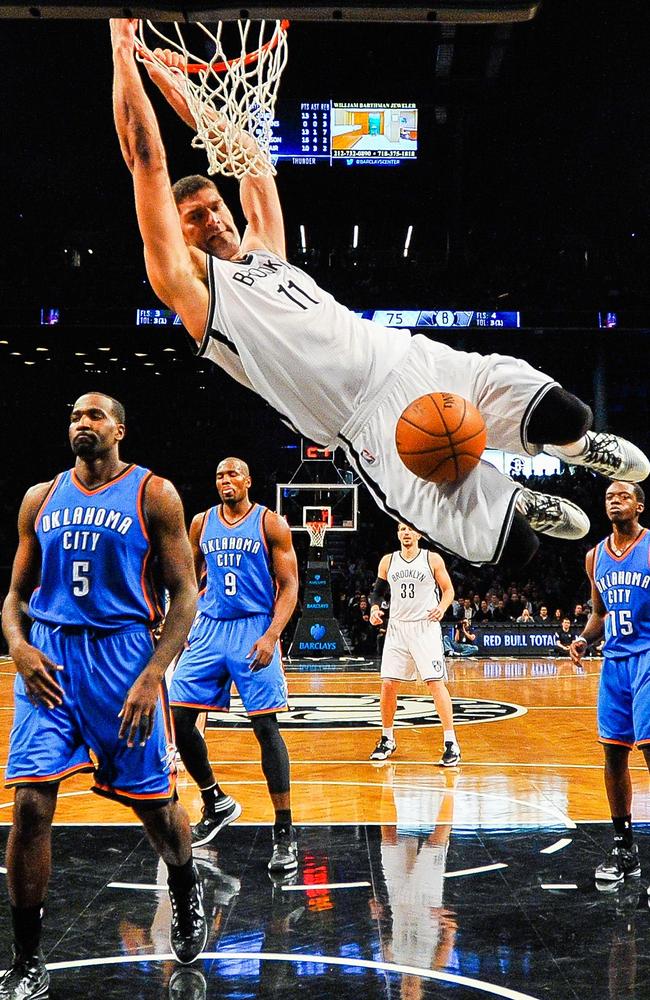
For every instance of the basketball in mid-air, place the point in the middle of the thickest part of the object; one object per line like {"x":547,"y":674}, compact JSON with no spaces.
{"x":440,"y":437}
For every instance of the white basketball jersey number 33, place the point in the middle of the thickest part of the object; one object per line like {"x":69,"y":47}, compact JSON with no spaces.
{"x":413,"y":589}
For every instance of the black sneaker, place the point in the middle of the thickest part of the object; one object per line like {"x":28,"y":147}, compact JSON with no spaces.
{"x":26,"y":977}
{"x":451,"y":755}
{"x":385,"y":748}
{"x":554,"y":516}
{"x":610,"y":455}
{"x":285,"y":852}
{"x":189,"y":928}
{"x":621,"y":863}
{"x":187,"y":984}
{"x":211,"y":822}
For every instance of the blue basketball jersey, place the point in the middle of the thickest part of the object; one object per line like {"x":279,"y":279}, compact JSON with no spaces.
{"x":237,"y":580}
{"x":624,"y":586}
{"x":95,"y":569}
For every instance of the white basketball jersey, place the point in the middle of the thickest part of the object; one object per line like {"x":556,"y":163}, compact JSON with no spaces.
{"x":413,"y":589}
{"x":275,"y":330}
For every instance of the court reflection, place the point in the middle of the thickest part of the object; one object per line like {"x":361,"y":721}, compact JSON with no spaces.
{"x":416,"y":928}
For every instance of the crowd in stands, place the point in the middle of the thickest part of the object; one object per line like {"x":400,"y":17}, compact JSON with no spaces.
{"x":496,"y":607}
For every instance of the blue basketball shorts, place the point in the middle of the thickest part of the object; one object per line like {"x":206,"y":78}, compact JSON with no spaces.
{"x":624,"y":700}
{"x":49,"y":744}
{"x":216,"y":656}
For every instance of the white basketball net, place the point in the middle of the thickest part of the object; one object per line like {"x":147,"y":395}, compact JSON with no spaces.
{"x":316,"y":531}
{"x":232,"y":95}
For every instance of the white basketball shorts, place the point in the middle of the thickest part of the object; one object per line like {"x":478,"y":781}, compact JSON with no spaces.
{"x":412,"y":650}
{"x":470,"y":518}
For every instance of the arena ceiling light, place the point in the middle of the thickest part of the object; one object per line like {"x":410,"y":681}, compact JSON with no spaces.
{"x":407,"y":241}
{"x":355,"y":237}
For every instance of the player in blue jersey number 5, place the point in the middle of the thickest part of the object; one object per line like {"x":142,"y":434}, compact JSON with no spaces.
{"x":619,"y":571}
{"x":89,"y":677}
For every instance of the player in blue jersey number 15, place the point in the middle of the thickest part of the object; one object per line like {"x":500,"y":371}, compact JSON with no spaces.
{"x":619,"y":571}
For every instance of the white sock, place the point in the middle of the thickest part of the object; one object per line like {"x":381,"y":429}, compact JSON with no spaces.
{"x":450,"y":736}
{"x":573,"y":449}
{"x":388,"y":733}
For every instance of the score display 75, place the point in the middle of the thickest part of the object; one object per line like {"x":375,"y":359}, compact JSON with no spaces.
{"x":442,"y":318}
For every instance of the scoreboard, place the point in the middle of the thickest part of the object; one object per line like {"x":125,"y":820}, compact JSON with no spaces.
{"x":442,"y":318}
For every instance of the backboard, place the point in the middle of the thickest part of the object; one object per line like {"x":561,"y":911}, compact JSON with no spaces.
{"x":302,"y":502}
{"x":428,"y":11}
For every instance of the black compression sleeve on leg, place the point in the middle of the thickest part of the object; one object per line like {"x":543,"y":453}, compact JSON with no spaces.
{"x":192,"y":746}
{"x":521,"y":545}
{"x":558,"y":418}
{"x":275,"y":756}
{"x":380,"y":591}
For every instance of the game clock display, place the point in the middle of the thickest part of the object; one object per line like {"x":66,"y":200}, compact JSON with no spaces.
{"x":380,"y":134}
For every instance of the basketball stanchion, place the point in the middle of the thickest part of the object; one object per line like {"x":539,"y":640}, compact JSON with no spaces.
{"x":318,"y":633}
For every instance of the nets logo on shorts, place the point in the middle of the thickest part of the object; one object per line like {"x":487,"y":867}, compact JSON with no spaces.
{"x":351,"y":711}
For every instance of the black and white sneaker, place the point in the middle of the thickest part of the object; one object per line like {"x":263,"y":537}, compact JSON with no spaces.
{"x":385,"y":748}
{"x":26,"y":977}
{"x":451,"y":755}
{"x":610,"y":455}
{"x":554,"y":516}
{"x":226,"y":811}
{"x":285,"y":852}
{"x":621,"y":863}
{"x":189,"y":928}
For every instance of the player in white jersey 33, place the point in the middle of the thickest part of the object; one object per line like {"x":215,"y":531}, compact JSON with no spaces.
{"x":338,"y":379}
{"x":420,"y":593}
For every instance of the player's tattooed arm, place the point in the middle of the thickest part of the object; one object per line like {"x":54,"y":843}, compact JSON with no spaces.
{"x":37,"y":670}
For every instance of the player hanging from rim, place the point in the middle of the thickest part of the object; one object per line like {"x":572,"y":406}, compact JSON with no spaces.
{"x":620,"y":592}
{"x":420,"y":593}
{"x":341,"y":380}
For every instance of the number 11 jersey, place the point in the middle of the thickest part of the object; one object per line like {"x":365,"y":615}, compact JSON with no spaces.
{"x":274,"y":330}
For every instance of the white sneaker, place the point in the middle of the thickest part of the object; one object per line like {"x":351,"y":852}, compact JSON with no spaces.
{"x":554,"y":516}
{"x":610,"y":455}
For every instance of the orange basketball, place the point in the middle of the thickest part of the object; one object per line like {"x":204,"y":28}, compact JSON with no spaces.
{"x":440,"y":437}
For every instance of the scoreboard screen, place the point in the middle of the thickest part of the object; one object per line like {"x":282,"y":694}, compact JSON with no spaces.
{"x":310,"y":132}
{"x":442,"y":318}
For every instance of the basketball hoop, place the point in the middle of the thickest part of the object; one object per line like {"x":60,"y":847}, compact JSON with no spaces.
{"x":316,"y":530}
{"x":231,"y":97}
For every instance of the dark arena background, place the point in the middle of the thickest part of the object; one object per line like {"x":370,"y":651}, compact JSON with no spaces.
{"x":520,"y":225}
